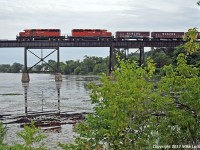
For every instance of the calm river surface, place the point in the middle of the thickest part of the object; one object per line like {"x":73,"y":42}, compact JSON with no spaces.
{"x":43,"y":96}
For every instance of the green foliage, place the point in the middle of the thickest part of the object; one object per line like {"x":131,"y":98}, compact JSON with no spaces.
{"x":3,"y":130}
{"x":5,"y":68}
{"x":132,"y":112}
{"x":5,"y":147}
{"x":51,"y":66}
{"x":191,"y":44}
{"x":161,"y":56}
{"x":14,"y":68}
{"x":30,"y":135}
{"x":72,"y":67}
{"x":122,"y":106}
{"x":90,"y":65}
{"x":181,"y":86}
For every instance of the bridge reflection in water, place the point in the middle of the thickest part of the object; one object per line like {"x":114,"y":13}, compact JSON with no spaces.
{"x":48,"y":120}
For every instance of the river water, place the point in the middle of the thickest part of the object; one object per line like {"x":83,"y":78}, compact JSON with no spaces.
{"x":47,"y":98}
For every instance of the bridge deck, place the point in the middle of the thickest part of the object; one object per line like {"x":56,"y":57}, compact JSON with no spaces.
{"x":115,"y":44}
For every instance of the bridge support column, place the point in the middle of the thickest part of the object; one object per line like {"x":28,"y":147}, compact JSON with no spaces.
{"x":25,"y":73}
{"x":58,"y":75}
{"x":110,"y":62}
{"x":142,"y":56}
{"x":112,"y":58}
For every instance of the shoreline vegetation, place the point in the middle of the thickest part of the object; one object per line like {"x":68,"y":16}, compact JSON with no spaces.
{"x":92,"y":65}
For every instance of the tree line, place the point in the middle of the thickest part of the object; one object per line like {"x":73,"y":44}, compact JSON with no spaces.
{"x":89,"y":65}
{"x":96,"y":65}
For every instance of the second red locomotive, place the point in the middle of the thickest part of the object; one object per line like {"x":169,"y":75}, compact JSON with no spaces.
{"x":90,"y":34}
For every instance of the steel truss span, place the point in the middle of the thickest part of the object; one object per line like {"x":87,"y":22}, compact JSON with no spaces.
{"x":113,"y":43}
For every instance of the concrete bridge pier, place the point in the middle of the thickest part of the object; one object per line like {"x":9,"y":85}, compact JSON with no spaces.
{"x":25,"y":73}
{"x":25,"y":77}
{"x":112,"y":59}
{"x":58,"y":75}
{"x":142,"y":61}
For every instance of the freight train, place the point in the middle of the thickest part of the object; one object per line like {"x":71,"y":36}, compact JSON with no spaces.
{"x":97,"y":35}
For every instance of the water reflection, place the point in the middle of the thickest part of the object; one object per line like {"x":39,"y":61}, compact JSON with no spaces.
{"x":51,"y":104}
{"x":25,"y":86}
{"x":58,"y":85}
{"x":44,"y":120}
{"x":50,"y":120}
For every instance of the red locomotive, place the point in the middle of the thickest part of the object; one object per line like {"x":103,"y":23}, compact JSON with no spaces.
{"x":40,"y":34}
{"x":167,"y":35}
{"x":90,"y":34}
{"x":132,"y":35}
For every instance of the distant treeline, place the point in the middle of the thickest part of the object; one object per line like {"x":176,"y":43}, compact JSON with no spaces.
{"x":14,"y":68}
{"x":96,"y":65}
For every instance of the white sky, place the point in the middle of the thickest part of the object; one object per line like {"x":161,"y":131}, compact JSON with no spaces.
{"x":113,"y":15}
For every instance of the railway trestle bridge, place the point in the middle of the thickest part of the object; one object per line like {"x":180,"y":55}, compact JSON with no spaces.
{"x":114,"y":46}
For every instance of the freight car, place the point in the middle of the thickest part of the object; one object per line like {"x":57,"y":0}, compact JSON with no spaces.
{"x":123,"y":35}
{"x":90,"y":34}
{"x":167,"y":35}
{"x":40,"y":34}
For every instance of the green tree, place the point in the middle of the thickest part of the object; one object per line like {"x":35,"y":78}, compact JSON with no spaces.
{"x":121,"y":112}
{"x":93,"y":65}
{"x":3,"y":130}
{"x":132,"y":112}
{"x":30,"y":135}
{"x":101,"y":66}
{"x":51,"y":66}
{"x":89,"y":63}
{"x":181,"y":87}
{"x":16,"y":67}
{"x":38,"y":67}
{"x":161,"y":56}
{"x":191,"y":44}
{"x":5,"y":68}
{"x":70,"y":66}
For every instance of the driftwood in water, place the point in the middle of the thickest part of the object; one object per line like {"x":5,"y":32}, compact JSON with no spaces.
{"x":48,"y":120}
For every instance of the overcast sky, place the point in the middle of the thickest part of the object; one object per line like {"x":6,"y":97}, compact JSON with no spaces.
{"x":113,"y":15}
